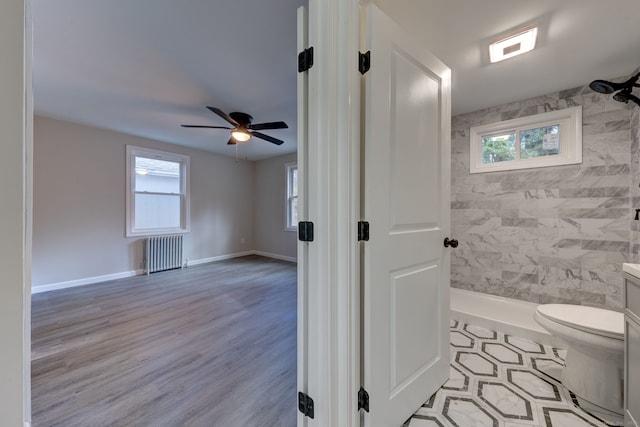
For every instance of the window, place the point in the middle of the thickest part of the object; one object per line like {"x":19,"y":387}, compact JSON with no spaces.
{"x":548,"y":139}
{"x":157,"y":192}
{"x":292,"y":196}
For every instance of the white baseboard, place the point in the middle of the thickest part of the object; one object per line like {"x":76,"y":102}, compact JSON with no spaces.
{"x":276,"y":256}
{"x":219,"y":258}
{"x":85,"y":281}
{"x":106,"y":277}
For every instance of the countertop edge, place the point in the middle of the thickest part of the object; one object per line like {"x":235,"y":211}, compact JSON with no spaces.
{"x":632,"y":269}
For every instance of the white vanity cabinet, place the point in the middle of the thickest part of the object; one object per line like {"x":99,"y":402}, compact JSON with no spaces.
{"x":632,"y":345}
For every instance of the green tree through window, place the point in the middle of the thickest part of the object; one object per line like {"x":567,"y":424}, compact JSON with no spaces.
{"x":498,"y":148}
{"x":538,"y":142}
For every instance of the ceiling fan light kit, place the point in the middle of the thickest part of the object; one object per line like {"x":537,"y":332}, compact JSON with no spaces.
{"x":242,"y":129}
{"x":240,"y":135}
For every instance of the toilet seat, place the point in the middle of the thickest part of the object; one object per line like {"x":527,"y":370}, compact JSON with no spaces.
{"x":588,"y":319}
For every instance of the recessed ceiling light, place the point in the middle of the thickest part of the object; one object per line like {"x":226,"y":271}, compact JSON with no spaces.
{"x":513,"y":45}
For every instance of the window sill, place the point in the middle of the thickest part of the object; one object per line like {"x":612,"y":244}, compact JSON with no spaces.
{"x":158,"y":232}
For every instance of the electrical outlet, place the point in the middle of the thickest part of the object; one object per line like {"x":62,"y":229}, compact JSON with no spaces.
{"x":242,"y":240}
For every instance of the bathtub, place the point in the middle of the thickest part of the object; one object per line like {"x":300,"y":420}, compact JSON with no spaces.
{"x":510,"y":316}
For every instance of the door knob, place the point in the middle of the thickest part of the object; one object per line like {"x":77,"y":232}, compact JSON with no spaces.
{"x":450,"y":242}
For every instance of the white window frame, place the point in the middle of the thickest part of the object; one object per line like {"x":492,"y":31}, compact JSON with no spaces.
{"x":185,"y":191}
{"x":570,"y":122}
{"x":288,"y":225}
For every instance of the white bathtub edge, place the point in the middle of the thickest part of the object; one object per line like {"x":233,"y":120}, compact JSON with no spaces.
{"x":470,"y":314}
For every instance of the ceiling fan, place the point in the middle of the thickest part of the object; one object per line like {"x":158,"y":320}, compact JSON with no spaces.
{"x":242,"y":129}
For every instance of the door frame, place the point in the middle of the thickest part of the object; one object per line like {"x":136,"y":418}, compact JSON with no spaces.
{"x":332,"y":287}
{"x":17,"y":170}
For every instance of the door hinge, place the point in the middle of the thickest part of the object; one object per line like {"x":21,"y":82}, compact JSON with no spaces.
{"x":305,"y":231}
{"x":305,"y":404}
{"x":305,"y":60}
{"x":363,"y":399}
{"x":363,"y":231}
{"x":364,"y":61}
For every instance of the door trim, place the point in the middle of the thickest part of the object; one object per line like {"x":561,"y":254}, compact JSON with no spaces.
{"x":332,"y":200}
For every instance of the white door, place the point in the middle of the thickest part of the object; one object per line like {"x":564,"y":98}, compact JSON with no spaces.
{"x":406,"y":201}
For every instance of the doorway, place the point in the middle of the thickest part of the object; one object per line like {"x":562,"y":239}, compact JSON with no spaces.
{"x":233,"y":224}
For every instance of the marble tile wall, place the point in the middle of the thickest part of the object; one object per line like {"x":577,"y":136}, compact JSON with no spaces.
{"x":554,"y":234}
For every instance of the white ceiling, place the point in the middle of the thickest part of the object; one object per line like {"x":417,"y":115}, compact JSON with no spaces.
{"x":147,"y":66}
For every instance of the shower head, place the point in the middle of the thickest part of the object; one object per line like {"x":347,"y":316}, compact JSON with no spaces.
{"x":606,"y":87}
{"x":626,"y":96}
{"x":622,"y":96}
{"x":603,"y":86}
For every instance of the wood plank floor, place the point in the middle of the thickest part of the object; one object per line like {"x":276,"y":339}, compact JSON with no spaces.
{"x":210,"y":345}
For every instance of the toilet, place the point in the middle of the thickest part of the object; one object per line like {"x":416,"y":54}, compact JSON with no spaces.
{"x":594,"y":338}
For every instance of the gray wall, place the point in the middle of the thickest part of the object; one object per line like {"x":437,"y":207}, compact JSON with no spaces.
{"x":14,"y":245}
{"x":79,"y":203}
{"x":270,"y":187}
{"x":556,"y":234}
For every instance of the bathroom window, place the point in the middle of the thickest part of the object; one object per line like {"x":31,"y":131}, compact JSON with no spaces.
{"x":547,"y":139}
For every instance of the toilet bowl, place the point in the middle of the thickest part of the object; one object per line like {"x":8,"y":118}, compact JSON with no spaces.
{"x":595,"y":353}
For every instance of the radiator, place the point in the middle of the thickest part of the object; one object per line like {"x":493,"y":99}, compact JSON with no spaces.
{"x":163,"y":252}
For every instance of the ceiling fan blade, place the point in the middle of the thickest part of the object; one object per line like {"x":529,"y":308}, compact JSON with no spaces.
{"x":270,"y":125}
{"x":223,"y":115}
{"x":209,"y":127}
{"x":232,"y":141}
{"x":267,"y":138}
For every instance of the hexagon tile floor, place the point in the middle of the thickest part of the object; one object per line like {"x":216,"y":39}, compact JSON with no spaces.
{"x":499,"y":380}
